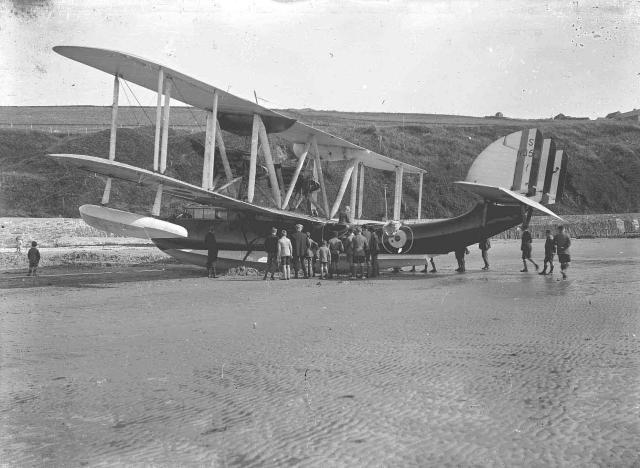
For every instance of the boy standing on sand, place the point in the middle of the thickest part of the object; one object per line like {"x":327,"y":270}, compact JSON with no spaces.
{"x":34,"y":259}
{"x":212,"y":252}
{"x":563,"y":242}
{"x":526,"y":247}
{"x":324,"y":257}
{"x":285,"y":249}
{"x":549,"y":250}
{"x":271,"y":247}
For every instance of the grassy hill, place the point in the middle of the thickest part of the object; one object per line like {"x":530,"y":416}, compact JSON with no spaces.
{"x":604,"y":161}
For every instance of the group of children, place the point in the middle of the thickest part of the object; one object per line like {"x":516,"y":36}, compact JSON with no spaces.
{"x":559,"y":244}
{"x":300,"y":251}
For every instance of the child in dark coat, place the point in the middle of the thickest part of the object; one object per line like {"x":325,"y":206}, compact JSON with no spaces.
{"x":34,"y":259}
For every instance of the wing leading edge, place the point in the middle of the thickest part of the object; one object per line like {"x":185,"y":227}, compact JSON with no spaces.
{"x":171,"y":186}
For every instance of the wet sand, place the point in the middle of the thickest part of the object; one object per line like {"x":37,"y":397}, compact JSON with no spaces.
{"x":498,"y":368}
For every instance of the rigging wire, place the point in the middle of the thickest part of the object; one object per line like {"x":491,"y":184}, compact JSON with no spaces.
{"x":189,"y":108}
{"x":141,"y":106}
{"x":124,"y":90}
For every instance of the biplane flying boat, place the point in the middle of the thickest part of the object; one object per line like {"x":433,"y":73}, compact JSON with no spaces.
{"x":513,"y":176}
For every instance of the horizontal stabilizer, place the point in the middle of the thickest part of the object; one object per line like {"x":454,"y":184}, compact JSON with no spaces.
{"x":503,"y":195}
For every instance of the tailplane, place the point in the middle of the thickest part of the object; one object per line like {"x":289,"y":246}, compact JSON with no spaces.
{"x":521,"y":167}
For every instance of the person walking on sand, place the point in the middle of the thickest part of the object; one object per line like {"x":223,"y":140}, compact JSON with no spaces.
{"x":484,"y":246}
{"x":563,"y":242}
{"x":336,"y":247}
{"x":549,"y":250}
{"x":299,"y":242}
{"x":526,"y":247}
{"x":360,"y":248}
{"x":433,"y":266}
{"x":212,"y":252}
{"x":285,"y":250}
{"x":460,"y":252}
{"x":324,"y":257}
{"x":33,"y":255}
{"x":19,"y":245}
{"x":271,"y":247}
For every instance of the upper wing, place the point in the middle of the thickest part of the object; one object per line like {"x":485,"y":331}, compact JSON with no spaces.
{"x":172,"y":186}
{"x":234,"y":114}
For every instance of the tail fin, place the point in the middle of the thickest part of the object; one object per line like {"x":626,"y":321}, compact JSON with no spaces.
{"x":522,"y":167}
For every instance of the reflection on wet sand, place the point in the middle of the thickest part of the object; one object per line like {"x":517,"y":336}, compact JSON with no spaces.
{"x":497,"y":368}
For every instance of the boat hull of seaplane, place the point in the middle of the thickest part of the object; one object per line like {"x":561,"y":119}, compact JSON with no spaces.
{"x":240,"y":236}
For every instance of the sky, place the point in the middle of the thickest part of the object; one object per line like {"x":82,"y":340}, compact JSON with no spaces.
{"x":524,"y":58}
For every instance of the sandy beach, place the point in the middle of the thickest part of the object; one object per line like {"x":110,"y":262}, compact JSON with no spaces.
{"x":159,"y":365}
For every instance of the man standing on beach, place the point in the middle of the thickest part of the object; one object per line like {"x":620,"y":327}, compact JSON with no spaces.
{"x":271,"y":247}
{"x":549,"y":250}
{"x":299,"y":241}
{"x":526,"y":247}
{"x":563,"y":242}
{"x":34,"y":259}
{"x":212,"y":252}
{"x":348,"y":250}
{"x":374,"y":249}
{"x":360,"y":247}
{"x":460,"y":252}
{"x":367,"y":256}
{"x":336,"y":247}
{"x":485,"y":245}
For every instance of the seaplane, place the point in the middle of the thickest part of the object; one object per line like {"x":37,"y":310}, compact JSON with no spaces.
{"x":515,"y":175}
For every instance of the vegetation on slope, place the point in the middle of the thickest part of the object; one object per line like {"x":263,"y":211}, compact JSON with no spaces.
{"x":604,"y":165}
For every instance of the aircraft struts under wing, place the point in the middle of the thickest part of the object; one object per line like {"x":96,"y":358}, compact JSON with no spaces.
{"x":171,"y":186}
{"x":503,"y":195}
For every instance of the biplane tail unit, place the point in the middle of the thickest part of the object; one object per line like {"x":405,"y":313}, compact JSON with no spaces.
{"x":513,"y":176}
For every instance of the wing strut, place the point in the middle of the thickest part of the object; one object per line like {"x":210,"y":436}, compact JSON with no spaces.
{"x":420,"y":196}
{"x":253,"y":159}
{"x":165,"y":126}
{"x":266,"y":152}
{"x":210,"y":145}
{"x":294,"y":179}
{"x":360,"y":193}
{"x":397,"y":197}
{"x":112,"y":138}
{"x":354,"y":192}
{"x":156,"y":143}
{"x":318,"y":167}
{"x":343,"y":187}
